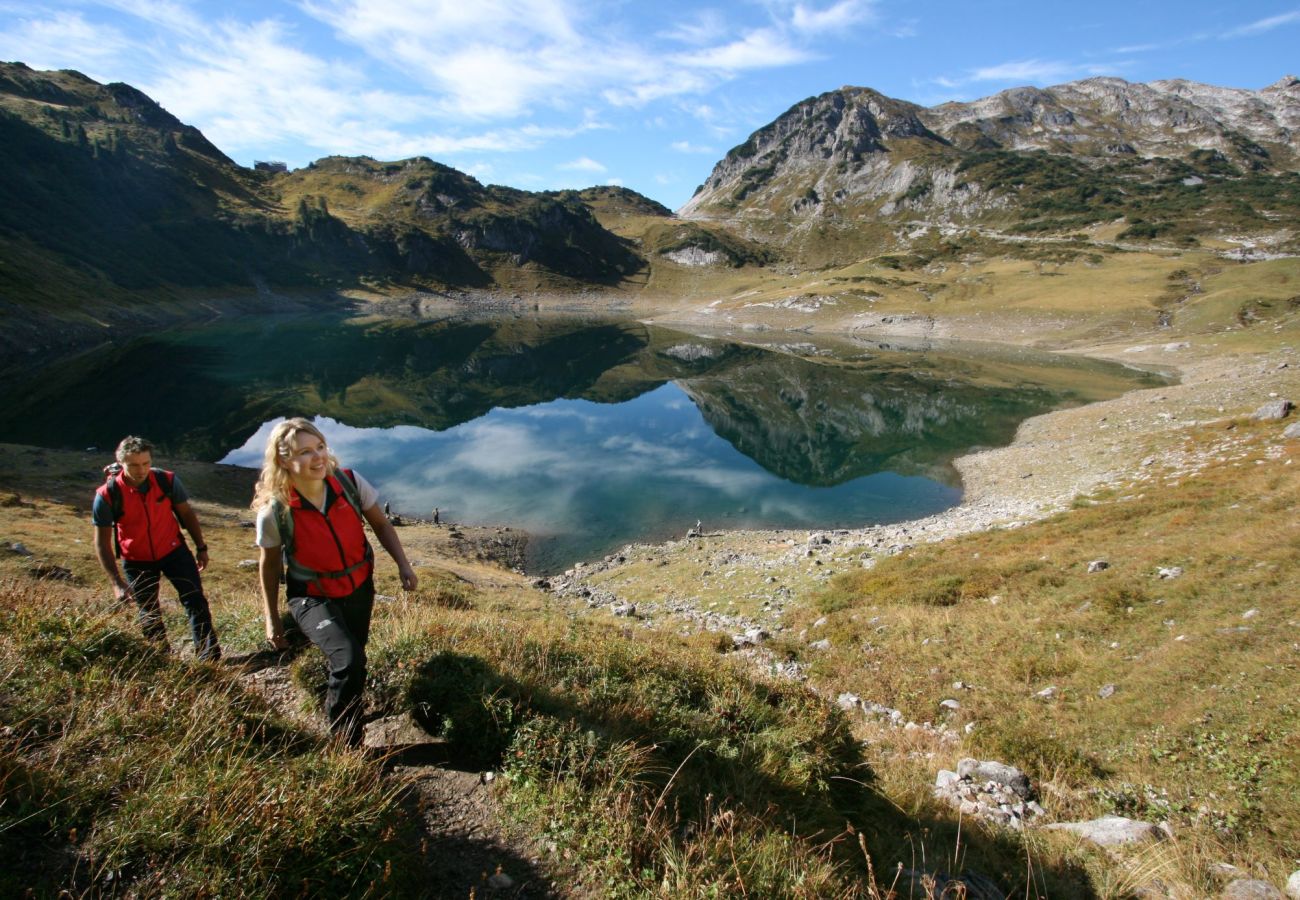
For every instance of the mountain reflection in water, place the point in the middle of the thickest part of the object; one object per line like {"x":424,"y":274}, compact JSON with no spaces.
{"x":588,"y":434}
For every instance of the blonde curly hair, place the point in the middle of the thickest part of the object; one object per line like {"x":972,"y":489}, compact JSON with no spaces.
{"x":274,"y":482}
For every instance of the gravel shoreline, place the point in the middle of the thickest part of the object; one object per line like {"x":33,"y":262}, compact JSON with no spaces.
{"x":1055,"y":458}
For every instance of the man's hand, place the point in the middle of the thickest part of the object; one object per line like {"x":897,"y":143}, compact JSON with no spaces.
{"x":122,"y":591}
{"x":201,"y":557}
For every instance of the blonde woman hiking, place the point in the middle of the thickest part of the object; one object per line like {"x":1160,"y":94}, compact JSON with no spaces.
{"x":310,"y":529}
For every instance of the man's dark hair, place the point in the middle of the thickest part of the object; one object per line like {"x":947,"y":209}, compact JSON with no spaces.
{"x":132,"y":444}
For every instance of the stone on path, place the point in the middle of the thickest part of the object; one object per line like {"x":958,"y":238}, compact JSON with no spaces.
{"x":397,"y":731}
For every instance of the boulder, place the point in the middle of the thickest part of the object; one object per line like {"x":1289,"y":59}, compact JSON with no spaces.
{"x":1112,"y":831}
{"x":1251,"y":889}
{"x":1273,"y":411}
{"x":1292,"y":430}
{"x":397,"y":731}
{"x":1003,"y":774}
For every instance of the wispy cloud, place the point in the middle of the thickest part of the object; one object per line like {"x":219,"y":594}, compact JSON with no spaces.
{"x":63,"y":39}
{"x":582,"y":164}
{"x":1263,"y":25}
{"x":688,"y":147}
{"x":845,"y":14}
{"x":1031,"y":70}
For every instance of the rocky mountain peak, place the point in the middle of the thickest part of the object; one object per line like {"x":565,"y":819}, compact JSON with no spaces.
{"x":1285,"y":83}
{"x":858,"y":148}
{"x":840,"y":129}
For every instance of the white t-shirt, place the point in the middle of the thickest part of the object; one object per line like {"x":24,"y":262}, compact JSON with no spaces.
{"x":268,"y":533}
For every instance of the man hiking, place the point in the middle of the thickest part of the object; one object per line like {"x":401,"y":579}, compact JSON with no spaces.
{"x":138,"y":515}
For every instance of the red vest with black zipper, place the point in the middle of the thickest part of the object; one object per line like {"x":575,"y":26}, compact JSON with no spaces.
{"x":331,"y":544}
{"x":147,"y":529}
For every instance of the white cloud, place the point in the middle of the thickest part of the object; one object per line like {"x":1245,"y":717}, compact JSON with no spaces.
{"x":1263,"y":25}
{"x":706,"y":27}
{"x":176,"y":17}
{"x":64,"y":40}
{"x":688,"y":147}
{"x":1030,"y":70}
{"x":582,"y":164}
{"x":760,"y":49}
{"x":836,"y":17}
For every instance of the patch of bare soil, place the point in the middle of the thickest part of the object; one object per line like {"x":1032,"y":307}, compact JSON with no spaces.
{"x":468,"y":850}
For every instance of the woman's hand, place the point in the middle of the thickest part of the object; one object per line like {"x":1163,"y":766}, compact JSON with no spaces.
{"x":275,"y":637}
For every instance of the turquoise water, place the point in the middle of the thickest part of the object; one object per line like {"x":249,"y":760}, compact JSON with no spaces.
{"x":589,"y":434}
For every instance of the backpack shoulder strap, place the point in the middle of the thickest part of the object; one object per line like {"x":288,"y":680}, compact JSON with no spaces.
{"x":111,"y":491}
{"x":284,"y":524}
{"x":164,"y":479}
{"x":113,"y":494}
{"x":348,"y":479}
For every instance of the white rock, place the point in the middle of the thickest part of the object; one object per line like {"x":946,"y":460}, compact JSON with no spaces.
{"x":1251,"y":889}
{"x":1112,"y":831}
{"x":950,"y":704}
{"x":1293,"y":885}
{"x":1047,"y":693}
{"x":1250,"y":614}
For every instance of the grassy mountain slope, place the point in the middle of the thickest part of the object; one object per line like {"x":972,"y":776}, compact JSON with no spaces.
{"x":112,"y":210}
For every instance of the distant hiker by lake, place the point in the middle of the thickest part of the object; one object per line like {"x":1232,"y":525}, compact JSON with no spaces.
{"x":138,"y":513}
{"x":310,"y":529}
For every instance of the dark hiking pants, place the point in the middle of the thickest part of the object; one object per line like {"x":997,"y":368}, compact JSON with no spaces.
{"x":340,"y":626}
{"x":183,"y":572}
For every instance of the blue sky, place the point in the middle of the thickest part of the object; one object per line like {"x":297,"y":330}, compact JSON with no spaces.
{"x":547,"y":94}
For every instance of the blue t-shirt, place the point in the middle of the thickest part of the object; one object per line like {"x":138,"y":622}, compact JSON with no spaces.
{"x":101,"y":514}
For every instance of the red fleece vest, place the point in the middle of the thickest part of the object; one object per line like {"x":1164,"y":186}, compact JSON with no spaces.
{"x":330,"y":542}
{"x":147,"y":529}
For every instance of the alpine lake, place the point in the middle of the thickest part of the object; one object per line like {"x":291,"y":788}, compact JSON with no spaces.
{"x":586,"y":433}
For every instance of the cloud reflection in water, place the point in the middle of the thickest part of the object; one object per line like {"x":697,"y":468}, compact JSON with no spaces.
{"x":584,"y":478}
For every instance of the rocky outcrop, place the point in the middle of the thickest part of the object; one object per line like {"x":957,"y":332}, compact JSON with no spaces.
{"x":854,"y":153}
